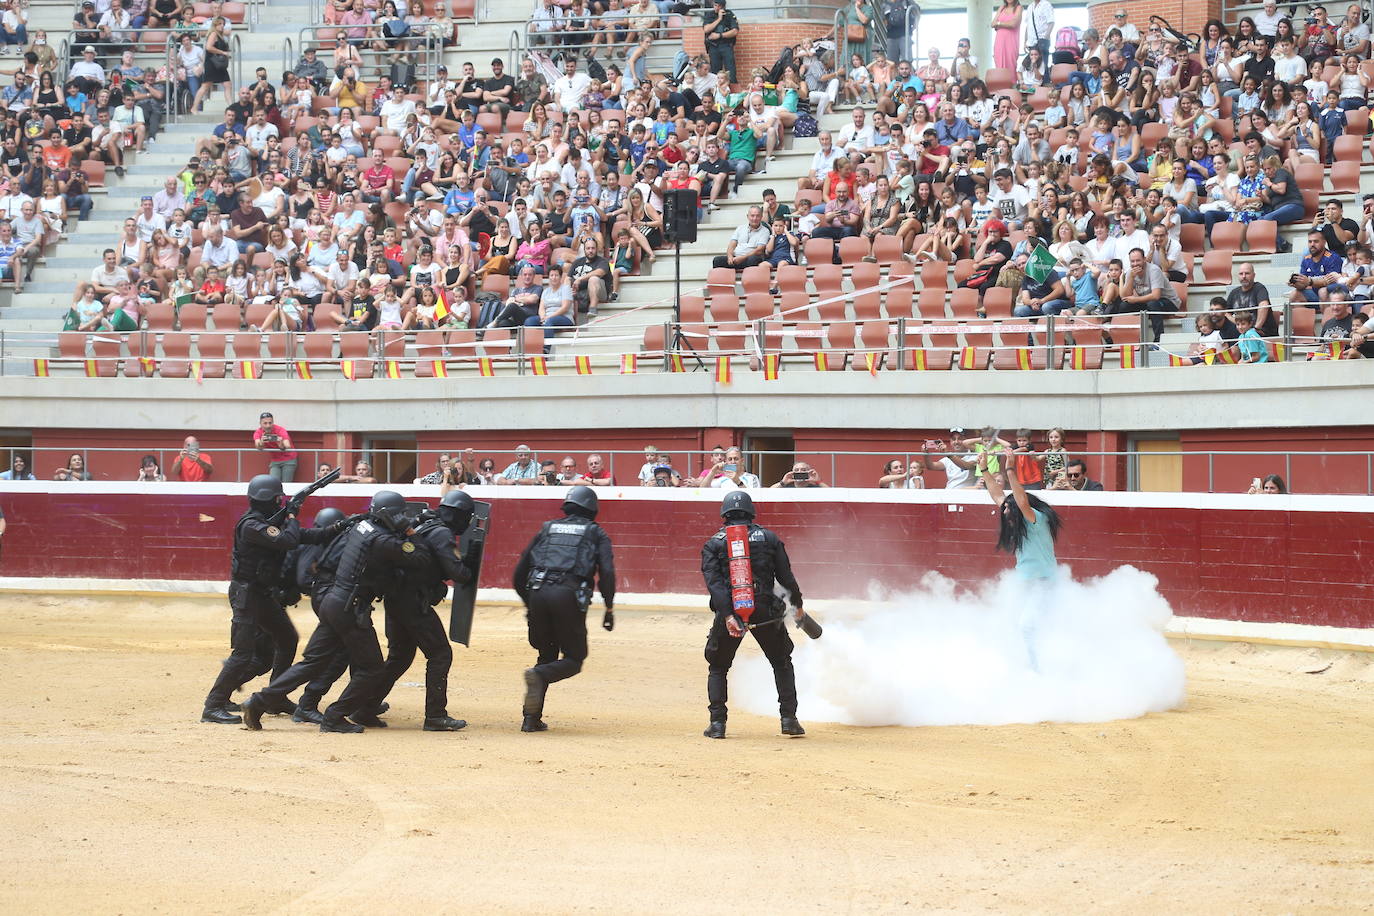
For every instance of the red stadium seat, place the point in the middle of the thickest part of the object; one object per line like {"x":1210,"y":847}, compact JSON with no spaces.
{"x":1217,"y":266}
{"x":1349,"y":149}
{"x":1262,"y":236}
{"x":1227,"y":236}
{"x":758,"y":305}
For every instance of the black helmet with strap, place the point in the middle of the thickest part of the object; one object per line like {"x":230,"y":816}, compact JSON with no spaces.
{"x":455,"y":511}
{"x":328,"y":516}
{"x":737,"y":502}
{"x":581,"y":501}
{"x":389,"y":508}
{"x":265,"y":488}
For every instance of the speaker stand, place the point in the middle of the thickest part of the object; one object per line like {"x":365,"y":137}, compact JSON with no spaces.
{"x":679,"y":341}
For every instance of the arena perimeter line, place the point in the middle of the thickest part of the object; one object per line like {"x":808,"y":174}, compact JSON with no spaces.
{"x":1345,"y":639}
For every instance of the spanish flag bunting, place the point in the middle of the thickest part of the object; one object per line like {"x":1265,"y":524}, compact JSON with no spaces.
{"x":968,"y":358}
{"x":441,"y":309}
{"x":1176,"y":360}
{"x":393,"y":369}
{"x":822,"y":362}
{"x":347,"y":368}
{"x":1023,"y":358}
{"x":484,"y":367}
{"x":629,"y":364}
{"x":539,"y":365}
{"x":918,"y":360}
{"x":871,"y":360}
{"x":40,"y":368}
{"x":1078,"y":358}
{"x":303,"y":369}
{"x":584,"y":365}
{"x":91,"y":370}
{"x":1337,"y":348}
{"x":1278,"y":352}
{"x":248,"y":368}
{"x":197,"y":371}
{"x":440,"y":369}
{"x":1228,"y":356}
{"x":1209,"y":355}
{"x":675,"y":363}
{"x":772,"y":362}
{"x":723,"y":372}
{"x":1128,"y":356}
{"x":147,"y":364}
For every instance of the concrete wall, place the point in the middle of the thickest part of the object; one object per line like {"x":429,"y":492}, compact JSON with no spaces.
{"x":1232,"y":557}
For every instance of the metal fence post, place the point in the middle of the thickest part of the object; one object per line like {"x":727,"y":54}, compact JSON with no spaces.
{"x":1049,"y":341}
{"x":901,"y":345}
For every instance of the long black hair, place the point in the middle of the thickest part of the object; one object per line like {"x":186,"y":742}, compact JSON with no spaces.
{"x":1012,"y":532}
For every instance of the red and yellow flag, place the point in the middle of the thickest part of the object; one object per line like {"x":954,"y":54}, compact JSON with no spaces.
{"x":629,"y":364}
{"x":303,"y":369}
{"x":1278,"y":352}
{"x":197,"y":371}
{"x":440,"y":369}
{"x":675,"y":363}
{"x":1176,"y":360}
{"x":484,"y":367}
{"x":723,"y":371}
{"x":1229,"y":356}
{"x":1209,"y":355}
{"x":1337,"y":348}
{"x":40,"y":368}
{"x":539,"y":365}
{"x":393,"y":368}
{"x":772,"y":363}
{"x":1128,"y":360}
{"x":347,"y":368}
{"x":871,"y":361}
{"x":584,"y":365}
{"x":91,"y":369}
{"x":1023,"y":358}
{"x":968,"y":358}
{"x":248,"y":368}
{"x":148,"y":365}
{"x":918,"y":360}
{"x":1078,"y":358}
{"x":822,"y":362}
{"x":441,"y":309}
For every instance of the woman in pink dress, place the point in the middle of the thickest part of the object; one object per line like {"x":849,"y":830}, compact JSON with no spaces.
{"x":1006,"y":27}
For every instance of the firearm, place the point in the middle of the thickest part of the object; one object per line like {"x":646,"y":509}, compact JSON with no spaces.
{"x":293,"y":505}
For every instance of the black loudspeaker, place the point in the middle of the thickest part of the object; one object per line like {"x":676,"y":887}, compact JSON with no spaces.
{"x":680,"y":215}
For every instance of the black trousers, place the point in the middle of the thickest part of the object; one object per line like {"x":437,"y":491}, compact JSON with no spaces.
{"x":1121,"y":307}
{"x":411,"y":624}
{"x":558,"y":631}
{"x":721,"y":647}
{"x":255,"y":612}
{"x":721,"y":55}
{"x":339,"y":629}
{"x":319,"y":685}
{"x":276,"y":645}
{"x":752,"y":261}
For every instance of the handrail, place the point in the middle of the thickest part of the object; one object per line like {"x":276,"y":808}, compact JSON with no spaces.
{"x":430,"y":54}
{"x":236,"y":49}
{"x":288,"y":60}
{"x":173,"y":101}
{"x":913,"y":28}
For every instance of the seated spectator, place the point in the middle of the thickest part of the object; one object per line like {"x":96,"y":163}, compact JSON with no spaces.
{"x":597,"y":475}
{"x":523,"y":471}
{"x":1253,"y":297}
{"x":1320,"y":274}
{"x":1076,"y":478}
{"x":733,"y":475}
{"x":747,"y":245}
{"x":149,"y":471}
{"x":18,"y":469}
{"x":75,"y":469}
{"x":897,"y":475}
{"x":191,"y":464}
{"x":1252,"y":347}
{"x":1049,"y":297}
{"x":1339,"y":327}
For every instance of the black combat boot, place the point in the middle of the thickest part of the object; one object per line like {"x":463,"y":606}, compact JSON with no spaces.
{"x":368,"y":720}
{"x":253,"y":708}
{"x":220,"y":716}
{"x":791,"y":727}
{"x":342,"y":726}
{"x":307,"y":714}
{"x":283,"y":707}
{"x":444,"y":724}
{"x":533,"y":724}
{"x":231,"y":706}
{"x":716,"y":729}
{"x":535,"y":688}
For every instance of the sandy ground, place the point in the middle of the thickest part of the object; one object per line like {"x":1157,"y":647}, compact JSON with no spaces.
{"x":1255,"y":797}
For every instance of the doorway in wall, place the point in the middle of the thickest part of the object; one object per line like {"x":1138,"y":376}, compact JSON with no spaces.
{"x":393,"y":460}
{"x":769,"y":453}
{"x":1156,"y":463}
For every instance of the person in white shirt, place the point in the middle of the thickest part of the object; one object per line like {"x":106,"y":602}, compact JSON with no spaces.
{"x":733,"y":476}
{"x":745,"y":248}
{"x":571,"y":86}
{"x":1037,"y":28}
{"x":1130,"y":239}
{"x":1010,"y":199}
{"x":114,"y":24}
{"x":1288,"y":66}
{"x":87,"y":68}
{"x":857,"y":135}
{"x":259,"y":132}
{"x":148,"y":220}
{"x":1267,"y":20}
{"x":822,"y":162}
{"x":218,"y":250}
{"x":395,"y":110}
{"x":1352,"y":37}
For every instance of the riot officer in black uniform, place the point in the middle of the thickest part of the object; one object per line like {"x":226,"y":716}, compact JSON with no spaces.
{"x":261,"y":541}
{"x":410,"y":619}
{"x":366,"y":555}
{"x":769,"y":562}
{"x":554,"y":578}
{"x":302,"y":564}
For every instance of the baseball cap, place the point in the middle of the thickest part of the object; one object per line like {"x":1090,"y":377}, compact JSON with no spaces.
{"x":90,"y":48}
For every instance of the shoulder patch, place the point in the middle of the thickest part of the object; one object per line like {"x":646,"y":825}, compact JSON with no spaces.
{"x":718,"y":536}
{"x":273,"y":531}
{"x":407,"y":547}
{"x":365,"y":526}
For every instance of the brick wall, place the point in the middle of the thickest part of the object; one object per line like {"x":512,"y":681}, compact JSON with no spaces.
{"x":759,"y":43}
{"x":1184,"y":15}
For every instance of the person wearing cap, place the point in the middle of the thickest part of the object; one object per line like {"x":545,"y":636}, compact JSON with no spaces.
{"x":313,"y":69}
{"x":523,"y":471}
{"x":88,"y":73}
{"x":498,"y":90}
{"x":720,"y":30}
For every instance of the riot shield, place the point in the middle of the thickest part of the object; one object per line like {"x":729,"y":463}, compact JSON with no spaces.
{"x":471,"y":546}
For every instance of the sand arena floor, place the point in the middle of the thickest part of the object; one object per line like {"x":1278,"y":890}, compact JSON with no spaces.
{"x":1255,"y":797}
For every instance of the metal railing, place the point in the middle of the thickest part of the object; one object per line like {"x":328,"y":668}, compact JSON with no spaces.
{"x":389,"y":465}
{"x":288,"y":56}
{"x":427,"y":50}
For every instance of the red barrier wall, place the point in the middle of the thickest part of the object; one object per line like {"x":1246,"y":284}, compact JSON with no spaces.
{"x":1258,"y":558}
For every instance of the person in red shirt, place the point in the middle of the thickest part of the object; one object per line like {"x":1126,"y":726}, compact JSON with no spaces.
{"x":277,"y":442}
{"x":192,"y":465}
{"x":212,"y":290}
{"x":1027,"y":463}
{"x":377,"y":181}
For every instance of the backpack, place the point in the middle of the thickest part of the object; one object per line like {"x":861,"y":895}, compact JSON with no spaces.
{"x":1066,"y":39}
{"x":595,"y":70}
{"x":403,"y":75}
{"x":805,"y":126}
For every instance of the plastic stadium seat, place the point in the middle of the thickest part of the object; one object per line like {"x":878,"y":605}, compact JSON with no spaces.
{"x":724,"y":307}
{"x":1086,"y":334}
{"x":1190,"y":238}
{"x":1310,"y":175}
{"x":935,"y":274}
{"x":496,"y":283}
{"x":176,"y":355}
{"x":931,"y":304}
{"x":105,"y":349}
{"x":1348,"y":149}
{"x":963,"y":269}
{"x":191,"y":317}
{"x":887,"y":249}
{"x":854,"y":249}
{"x":757,"y":279}
{"x":791,"y":278}
{"x":839,"y":342}
{"x":819,"y":251}
{"x":720,"y":278}
{"x":532,"y":342}
{"x":1304,"y":328}
{"x":1227,"y":236}
{"x":1311,"y":200}
{"x":1217,"y":266}
{"x":1262,"y":236}
{"x":654,"y":341}
{"x":429,"y":346}
{"x":71,"y":345}
{"x":1151,"y":132}
{"x":159,"y":316}
{"x":357,"y":347}
{"x":898,"y":300}
{"x":963,"y":303}
{"x":210,"y":348}
{"x":758,"y":305}
{"x":692,"y":309}
{"x":227,"y":317}
{"x":874,"y":337}
{"x":999,"y":79}
{"x":997,"y":302}
{"x":795,"y":306}
{"x":1059,"y":74}
{"x":94,"y":170}
{"x":1345,"y":178}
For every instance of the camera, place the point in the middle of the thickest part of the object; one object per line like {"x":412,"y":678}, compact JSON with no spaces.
{"x":800,"y":475}
{"x":550,"y":477}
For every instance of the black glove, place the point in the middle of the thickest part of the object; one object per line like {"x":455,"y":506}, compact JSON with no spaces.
{"x":608,"y":620}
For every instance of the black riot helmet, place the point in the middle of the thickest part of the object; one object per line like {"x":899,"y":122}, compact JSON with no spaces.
{"x":580,"y":501}
{"x":265,"y":489}
{"x":737,"y":503}
{"x":326,"y":517}
{"x":455,"y":511}
{"x":389,"y":508}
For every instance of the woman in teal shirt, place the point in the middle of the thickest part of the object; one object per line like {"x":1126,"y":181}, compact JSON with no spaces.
{"x":1029,"y":528}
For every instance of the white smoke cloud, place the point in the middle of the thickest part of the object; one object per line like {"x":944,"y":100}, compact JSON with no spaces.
{"x":946,"y":656}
